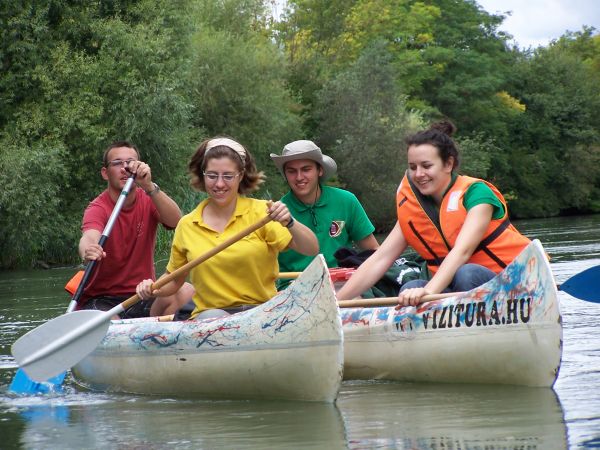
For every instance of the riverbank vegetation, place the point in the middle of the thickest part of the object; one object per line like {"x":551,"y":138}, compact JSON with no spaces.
{"x":355,"y":76}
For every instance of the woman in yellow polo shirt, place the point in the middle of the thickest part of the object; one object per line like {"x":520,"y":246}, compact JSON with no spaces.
{"x":243,"y":274}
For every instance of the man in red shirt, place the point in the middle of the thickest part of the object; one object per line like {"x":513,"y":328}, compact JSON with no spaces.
{"x":128,"y":255}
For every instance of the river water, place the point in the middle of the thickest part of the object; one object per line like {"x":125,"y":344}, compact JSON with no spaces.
{"x":367,"y":414}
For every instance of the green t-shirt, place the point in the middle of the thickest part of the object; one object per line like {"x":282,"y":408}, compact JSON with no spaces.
{"x":337,"y":218}
{"x":479,"y":193}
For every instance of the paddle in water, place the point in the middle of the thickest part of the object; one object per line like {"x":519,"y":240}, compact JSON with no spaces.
{"x":584,"y":285}
{"x":21,"y":383}
{"x":48,"y":350}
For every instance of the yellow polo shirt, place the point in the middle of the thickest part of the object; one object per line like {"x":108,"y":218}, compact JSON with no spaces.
{"x":243,"y":273}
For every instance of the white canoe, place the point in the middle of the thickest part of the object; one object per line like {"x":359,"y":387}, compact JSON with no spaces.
{"x":287,"y":348}
{"x":507,"y":331}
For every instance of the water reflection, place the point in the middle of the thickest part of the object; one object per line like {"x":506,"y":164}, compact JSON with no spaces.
{"x":435,"y":416}
{"x":121,"y":422}
{"x":28,"y":299}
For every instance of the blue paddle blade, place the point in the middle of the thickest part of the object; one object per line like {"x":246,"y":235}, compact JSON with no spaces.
{"x":23,"y":385}
{"x":585,"y":285}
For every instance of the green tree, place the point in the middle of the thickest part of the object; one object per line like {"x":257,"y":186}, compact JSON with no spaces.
{"x":556,"y":144}
{"x":364,"y":121}
{"x":31,"y":222}
{"x":77,"y":75}
{"x":585,"y":44}
{"x":237,"y":84}
{"x":449,"y":58}
{"x":473,"y":67}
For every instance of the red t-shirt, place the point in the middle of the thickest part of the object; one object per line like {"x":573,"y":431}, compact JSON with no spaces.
{"x":129,"y":248}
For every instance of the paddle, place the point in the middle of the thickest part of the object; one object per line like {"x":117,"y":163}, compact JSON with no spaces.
{"x":584,"y":286}
{"x":282,"y":275}
{"x":48,"y":350}
{"x":389,"y":301}
{"x":21,"y":383}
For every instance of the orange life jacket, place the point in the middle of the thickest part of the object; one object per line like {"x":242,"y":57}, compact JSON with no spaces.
{"x":433,"y":235}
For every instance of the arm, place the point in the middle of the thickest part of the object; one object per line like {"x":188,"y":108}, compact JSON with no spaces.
{"x":144,"y":288}
{"x":167,"y":209}
{"x":361,"y":228}
{"x":89,"y":250}
{"x":469,"y":237}
{"x":375,"y":266}
{"x":303,"y":240}
{"x":368,"y":243}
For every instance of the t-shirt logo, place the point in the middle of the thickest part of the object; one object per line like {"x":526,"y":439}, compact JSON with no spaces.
{"x":336,"y":227}
{"x":453,"y":200}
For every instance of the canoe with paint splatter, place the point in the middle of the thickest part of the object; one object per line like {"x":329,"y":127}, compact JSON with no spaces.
{"x":290,"y":347}
{"x":507,"y":331}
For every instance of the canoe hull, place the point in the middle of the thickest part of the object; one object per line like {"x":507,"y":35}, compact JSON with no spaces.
{"x":268,"y":374}
{"x":287,"y":348}
{"x":507,"y":331}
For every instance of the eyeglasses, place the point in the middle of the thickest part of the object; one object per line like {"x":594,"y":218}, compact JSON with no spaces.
{"x":226,"y":177}
{"x":120,"y":162}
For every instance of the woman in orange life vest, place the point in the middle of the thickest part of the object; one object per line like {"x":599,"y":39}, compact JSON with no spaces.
{"x":458,"y":224}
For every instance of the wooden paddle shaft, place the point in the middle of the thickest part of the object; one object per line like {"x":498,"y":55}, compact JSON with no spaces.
{"x":380,"y":301}
{"x":200,"y":259}
{"x":288,"y":275}
{"x":390,"y":301}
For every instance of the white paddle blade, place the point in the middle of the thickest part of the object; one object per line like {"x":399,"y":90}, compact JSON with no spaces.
{"x":61,"y":343}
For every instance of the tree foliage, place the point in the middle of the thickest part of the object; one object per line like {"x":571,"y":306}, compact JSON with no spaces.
{"x":448,"y":55}
{"x":30,"y":218}
{"x":239,"y":90}
{"x":557,"y":141}
{"x":78,"y":75}
{"x":363,"y":122}
{"x":354,"y":75}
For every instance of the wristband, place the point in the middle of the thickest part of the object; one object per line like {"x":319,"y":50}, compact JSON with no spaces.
{"x":154,"y":191}
{"x":290,"y":224}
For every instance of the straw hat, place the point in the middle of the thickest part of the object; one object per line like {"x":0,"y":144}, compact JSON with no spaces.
{"x":305,"y":150}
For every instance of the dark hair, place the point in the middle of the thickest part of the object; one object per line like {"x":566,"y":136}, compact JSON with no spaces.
{"x":251,"y":177}
{"x":118,"y":144}
{"x":439,"y":135}
{"x":319,"y":166}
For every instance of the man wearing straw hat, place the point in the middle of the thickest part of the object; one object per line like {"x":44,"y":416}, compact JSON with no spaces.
{"x":334,"y":215}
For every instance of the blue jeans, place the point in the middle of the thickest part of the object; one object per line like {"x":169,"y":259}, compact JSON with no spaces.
{"x":467,"y":277}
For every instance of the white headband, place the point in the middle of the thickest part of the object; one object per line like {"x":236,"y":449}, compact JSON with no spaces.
{"x":227,"y":143}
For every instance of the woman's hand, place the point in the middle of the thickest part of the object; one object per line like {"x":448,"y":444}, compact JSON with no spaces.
{"x":303,"y":240}
{"x":411,"y":297}
{"x":144,"y":290}
{"x":279,"y":212}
